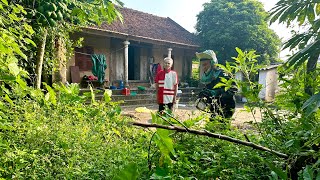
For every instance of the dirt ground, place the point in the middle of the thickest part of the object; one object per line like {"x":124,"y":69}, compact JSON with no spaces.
{"x":240,"y":116}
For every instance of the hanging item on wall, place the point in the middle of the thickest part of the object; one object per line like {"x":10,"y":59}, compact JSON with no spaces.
{"x":99,"y":65}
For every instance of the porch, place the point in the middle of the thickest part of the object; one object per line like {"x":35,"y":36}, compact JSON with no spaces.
{"x":145,"y":98}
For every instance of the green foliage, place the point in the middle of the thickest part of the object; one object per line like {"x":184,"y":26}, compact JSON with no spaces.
{"x":226,"y":24}
{"x":287,"y":126}
{"x":306,"y":13}
{"x":206,"y":158}
{"x":59,"y":18}
{"x":15,"y":36}
{"x":56,"y":134}
{"x":312,"y":104}
{"x":59,"y":12}
{"x":246,"y":64}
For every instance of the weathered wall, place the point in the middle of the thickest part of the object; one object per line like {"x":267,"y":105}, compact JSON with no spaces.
{"x":263,"y":82}
{"x":182,"y":59}
{"x":100,"y":44}
{"x":272,"y":84}
{"x":269,"y":80}
{"x":113,"y":49}
{"x":144,"y":64}
{"x":117,"y":60}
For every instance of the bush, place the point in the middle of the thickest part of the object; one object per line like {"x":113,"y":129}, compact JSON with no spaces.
{"x":60,"y":135}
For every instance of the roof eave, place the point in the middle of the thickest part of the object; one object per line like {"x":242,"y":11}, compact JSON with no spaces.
{"x":193,"y":46}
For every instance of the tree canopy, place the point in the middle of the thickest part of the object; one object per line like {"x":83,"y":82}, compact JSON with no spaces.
{"x":226,"y":24}
{"x":52,"y":21}
{"x":306,"y":13}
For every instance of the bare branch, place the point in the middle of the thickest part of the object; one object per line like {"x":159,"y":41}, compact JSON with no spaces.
{"x":213,"y":135}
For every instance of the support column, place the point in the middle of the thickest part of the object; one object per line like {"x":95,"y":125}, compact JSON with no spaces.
{"x":126,"y":62}
{"x":169,"y":52}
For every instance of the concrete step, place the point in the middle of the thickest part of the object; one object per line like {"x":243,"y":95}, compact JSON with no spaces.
{"x":145,"y":97}
{"x":140,"y":102}
{"x":135,"y":97}
{"x":146,"y":91}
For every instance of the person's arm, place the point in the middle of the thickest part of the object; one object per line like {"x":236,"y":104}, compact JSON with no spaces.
{"x":157,"y":86}
{"x":157,"y":90}
{"x":175,"y":89}
{"x":175,"y":93}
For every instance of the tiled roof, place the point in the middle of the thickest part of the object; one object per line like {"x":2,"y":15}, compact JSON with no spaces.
{"x":148,"y":26}
{"x":270,"y":67}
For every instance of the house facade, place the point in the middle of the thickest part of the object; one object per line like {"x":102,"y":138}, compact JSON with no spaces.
{"x":133,"y":46}
{"x":268,"y":78}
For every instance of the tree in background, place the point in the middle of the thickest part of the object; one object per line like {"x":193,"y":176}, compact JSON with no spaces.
{"x":53,"y":20}
{"x":226,"y":24}
{"x":305,"y":13}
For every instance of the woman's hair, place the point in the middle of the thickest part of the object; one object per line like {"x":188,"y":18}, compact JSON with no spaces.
{"x":168,"y":59}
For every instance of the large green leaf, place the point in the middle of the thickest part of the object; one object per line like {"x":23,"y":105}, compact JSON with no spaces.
{"x":164,"y":142}
{"x":129,"y":172}
{"x":307,"y":173}
{"x":51,"y":95}
{"x":5,"y":2}
{"x":312,"y":104}
{"x":311,"y":15}
{"x":278,"y":171}
{"x":303,"y":55}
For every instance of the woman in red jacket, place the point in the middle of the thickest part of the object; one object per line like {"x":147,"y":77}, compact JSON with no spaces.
{"x":166,"y":85}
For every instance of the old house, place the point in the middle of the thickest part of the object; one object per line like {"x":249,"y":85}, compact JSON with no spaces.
{"x":268,"y":78}
{"x":132,"y":46}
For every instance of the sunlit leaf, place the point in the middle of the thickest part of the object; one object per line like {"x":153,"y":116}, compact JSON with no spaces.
{"x":107,"y":95}
{"x":7,"y":98}
{"x":318,"y":8}
{"x":14,"y":69}
{"x":311,"y":15}
{"x":129,"y":172}
{"x":312,"y":104}
{"x":5,"y":2}
{"x":164,"y":142}
{"x":51,"y":95}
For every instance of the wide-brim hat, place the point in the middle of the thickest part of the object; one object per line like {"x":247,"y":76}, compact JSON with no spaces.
{"x":207,"y":55}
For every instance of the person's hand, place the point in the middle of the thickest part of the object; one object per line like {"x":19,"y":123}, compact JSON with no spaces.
{"x":174,"y":101}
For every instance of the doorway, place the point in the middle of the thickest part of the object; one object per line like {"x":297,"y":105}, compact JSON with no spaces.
{"x":134,"y":63}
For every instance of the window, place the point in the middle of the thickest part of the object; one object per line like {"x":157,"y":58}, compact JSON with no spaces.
{"x":83,"y":58}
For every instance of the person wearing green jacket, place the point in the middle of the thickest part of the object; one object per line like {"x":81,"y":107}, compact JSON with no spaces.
{"x":217,"y":101}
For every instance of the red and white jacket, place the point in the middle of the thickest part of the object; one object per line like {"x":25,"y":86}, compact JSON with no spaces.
{"x":167,"y":86}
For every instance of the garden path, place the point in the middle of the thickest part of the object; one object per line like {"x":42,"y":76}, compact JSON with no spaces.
{"x":240,"y":117}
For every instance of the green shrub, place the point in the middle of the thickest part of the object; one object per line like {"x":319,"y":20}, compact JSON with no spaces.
{"x":58,"y":134}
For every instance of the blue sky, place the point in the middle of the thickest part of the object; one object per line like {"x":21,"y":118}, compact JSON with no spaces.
{"x":184,"y":12}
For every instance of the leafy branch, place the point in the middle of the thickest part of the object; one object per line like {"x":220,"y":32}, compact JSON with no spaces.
{"x":213,"y":135}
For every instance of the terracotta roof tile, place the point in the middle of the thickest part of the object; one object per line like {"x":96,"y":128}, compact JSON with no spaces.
{"x":140,"y":24}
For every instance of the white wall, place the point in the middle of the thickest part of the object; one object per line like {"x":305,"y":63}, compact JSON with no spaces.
{"x":269,"y":80}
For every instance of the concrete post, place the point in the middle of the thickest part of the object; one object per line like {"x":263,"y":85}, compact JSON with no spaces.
{"x":169,"y":52}
{"x":126,"y":62}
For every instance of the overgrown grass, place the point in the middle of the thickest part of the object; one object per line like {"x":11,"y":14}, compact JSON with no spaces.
{"x":67,"y":139}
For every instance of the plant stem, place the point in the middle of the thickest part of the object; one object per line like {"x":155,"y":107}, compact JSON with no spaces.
{"x":213,"y":135}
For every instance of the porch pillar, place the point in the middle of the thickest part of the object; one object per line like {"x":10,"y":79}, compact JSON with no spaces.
{"x":126,"y":62}
{"x":169,"y":52}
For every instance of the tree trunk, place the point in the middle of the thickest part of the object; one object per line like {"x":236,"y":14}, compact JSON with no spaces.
{"x":311,"y":67}
{"x":40,"y":57}
{"x":61,"y":74}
